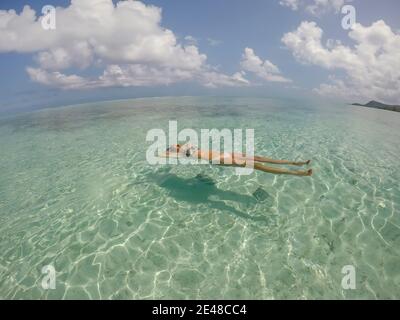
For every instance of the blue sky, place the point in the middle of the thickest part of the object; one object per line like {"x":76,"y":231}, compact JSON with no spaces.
{"x":220,"y":30}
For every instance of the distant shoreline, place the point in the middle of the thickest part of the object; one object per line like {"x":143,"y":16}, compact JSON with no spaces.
{"x":379,"y":105}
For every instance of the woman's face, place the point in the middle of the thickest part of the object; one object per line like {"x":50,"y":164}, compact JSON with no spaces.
{"x":174,"y":148}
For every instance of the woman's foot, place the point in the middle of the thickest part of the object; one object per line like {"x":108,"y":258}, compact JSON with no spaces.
{"x":302,"y":163}
{"x":307,"y":173}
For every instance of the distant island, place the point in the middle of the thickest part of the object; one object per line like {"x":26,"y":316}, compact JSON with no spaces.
{"x":378,"y":105}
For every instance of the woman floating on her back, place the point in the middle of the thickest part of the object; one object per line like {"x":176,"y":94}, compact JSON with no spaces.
{"x":235,"y":159}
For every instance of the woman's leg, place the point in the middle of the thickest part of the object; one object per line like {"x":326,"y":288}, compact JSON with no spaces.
{"x":269,"y":160}
{"x":261,"y":167}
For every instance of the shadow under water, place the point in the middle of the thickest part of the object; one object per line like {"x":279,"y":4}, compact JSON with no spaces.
{"x":202,"y":189}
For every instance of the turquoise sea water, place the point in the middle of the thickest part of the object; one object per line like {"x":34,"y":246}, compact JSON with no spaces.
{"x":77,"y":193}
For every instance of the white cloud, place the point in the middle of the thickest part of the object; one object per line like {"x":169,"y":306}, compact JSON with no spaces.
{"x":292,"y":4}
{"x":319,"y":7}
{"x":214,"y":79}
{"x":125,"y":40}
{"x":132,"y":75}
{"x":372,"y":65}
{"x":78,"y":54}
{"x":57,"y":79}
{"x":142,"y":75}
{"x":265,"y":70}
{"x":139,"y":75}
{"x":315,"y":7}
{"x":191,"y":40}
